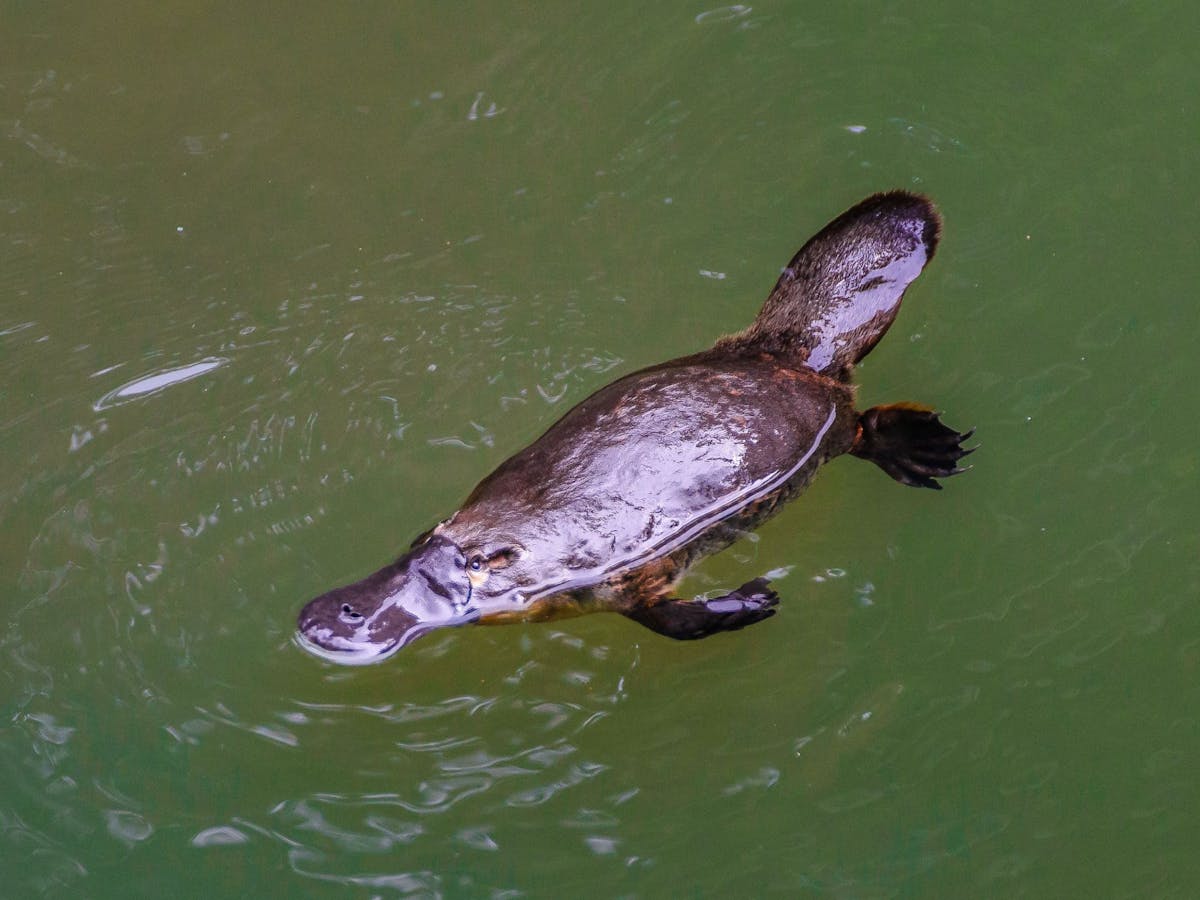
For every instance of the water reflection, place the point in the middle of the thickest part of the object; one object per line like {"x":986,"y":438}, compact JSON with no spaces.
{"x":156,"y":382}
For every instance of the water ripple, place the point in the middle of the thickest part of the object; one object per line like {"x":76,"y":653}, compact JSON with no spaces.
{"x":723,"y":14}
{"x":156,"y":382}
{"x":128,"y":827}
{"x":219,"y":836}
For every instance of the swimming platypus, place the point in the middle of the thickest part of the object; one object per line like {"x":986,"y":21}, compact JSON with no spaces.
{"x":608,"y":508}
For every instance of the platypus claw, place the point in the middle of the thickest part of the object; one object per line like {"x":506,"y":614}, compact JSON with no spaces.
{"x":912,"y":444}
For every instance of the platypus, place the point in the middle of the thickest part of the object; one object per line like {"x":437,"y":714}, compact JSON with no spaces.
{"x":608,"y":509}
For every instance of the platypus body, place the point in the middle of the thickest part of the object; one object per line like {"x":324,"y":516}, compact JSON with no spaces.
{"x":608,"y":508}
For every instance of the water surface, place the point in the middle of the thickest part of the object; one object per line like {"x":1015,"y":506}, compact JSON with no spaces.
{"x":277,"y":288}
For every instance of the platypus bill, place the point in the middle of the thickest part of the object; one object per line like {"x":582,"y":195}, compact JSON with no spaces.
{"x":608,"y":508}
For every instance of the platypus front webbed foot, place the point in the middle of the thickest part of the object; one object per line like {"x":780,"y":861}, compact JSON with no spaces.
{"x":911,"y":444}
{"x":688,"y":620}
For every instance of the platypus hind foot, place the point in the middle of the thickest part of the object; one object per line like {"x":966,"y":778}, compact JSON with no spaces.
{"x":911,"y":444}
{"x":688,"y":620}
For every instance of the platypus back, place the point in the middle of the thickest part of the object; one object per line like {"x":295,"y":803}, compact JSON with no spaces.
{"x":840,"y":293}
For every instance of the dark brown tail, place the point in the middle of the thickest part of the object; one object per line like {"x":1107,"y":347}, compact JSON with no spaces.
{"x":839,"y":294}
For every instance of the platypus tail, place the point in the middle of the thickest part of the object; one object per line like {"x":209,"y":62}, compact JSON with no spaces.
{"x":840,"y":293}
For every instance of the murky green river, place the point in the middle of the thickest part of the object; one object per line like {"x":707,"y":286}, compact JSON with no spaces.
{"x":278,"y":285}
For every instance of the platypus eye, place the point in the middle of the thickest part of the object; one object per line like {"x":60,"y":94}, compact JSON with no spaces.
{"x":477,"y":569}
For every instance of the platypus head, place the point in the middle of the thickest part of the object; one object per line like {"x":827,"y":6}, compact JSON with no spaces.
{"x":369,"y":620}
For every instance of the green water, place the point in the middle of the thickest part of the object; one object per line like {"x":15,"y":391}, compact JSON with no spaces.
{"x":278,"y":285}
